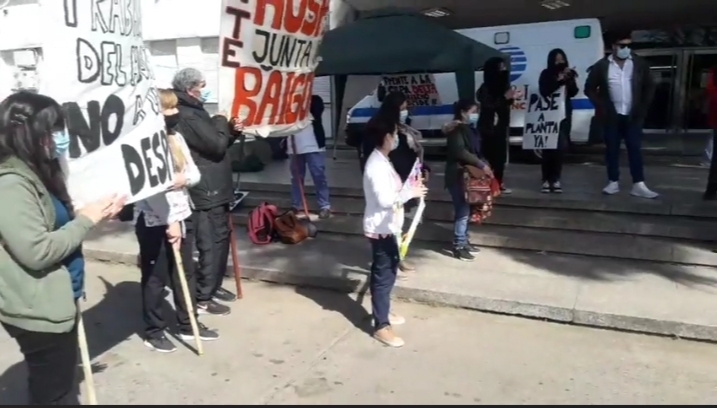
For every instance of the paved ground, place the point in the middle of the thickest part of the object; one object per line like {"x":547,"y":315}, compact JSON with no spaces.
{"x":295,"y":346}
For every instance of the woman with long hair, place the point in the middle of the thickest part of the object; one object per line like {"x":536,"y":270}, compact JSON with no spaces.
{"x":163,"y":225}
{"x":41,"y":265}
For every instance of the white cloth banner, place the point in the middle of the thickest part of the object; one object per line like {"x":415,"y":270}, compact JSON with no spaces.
{"x":542,"y":120}
{"x":268,"y":54}
{"x":96,"y":66}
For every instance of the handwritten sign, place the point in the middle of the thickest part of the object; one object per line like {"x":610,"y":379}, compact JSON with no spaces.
{"x":542,"y":121}
{"x":268,"y":53}
{"x":420,"y":90}
{"x":96,"y":67}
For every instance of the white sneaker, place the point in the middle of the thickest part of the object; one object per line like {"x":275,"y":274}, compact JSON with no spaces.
{"x":546,"y":188}
{"x":612,"y":188}
{"x":557,"y":187}
{"x":641,"y":190}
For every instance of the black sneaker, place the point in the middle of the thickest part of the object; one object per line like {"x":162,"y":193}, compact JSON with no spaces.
{"x":204,"y":334}
{"x":474,"y":249}
{"x":324,"y":214}
{"x":224,"y":295}
{"x":212,"y":308}
{"x":556,"y":188}
{"x":463,"y":254}
{"x":546,"y":188}
{"x":161,"y":344}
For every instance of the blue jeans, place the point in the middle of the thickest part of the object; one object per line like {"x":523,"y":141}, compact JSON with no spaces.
{"x":383,"y":277}
{"x":462,"y":211}
{"x":623,"y":129}
{"x":316,"y":162}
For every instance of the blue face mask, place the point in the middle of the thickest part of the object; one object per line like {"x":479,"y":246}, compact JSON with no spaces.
{"x":623,"y":53}
{"x":473,"y":118}
{"x":62,"y":142}
{"x":404,"y":116}
{"x":205,"y":94}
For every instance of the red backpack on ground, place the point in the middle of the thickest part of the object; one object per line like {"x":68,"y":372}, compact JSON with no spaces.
{"x":261,"y":226}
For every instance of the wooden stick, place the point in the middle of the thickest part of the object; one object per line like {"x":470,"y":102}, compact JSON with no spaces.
{"x":235,"y":258}
{"x":188,"y":300}
{"x":85,"y":358}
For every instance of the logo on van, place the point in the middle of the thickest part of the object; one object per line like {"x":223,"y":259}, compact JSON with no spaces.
{"x":518,"y":62}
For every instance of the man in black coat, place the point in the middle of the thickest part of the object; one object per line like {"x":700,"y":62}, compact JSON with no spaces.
{"x":209,"y":139}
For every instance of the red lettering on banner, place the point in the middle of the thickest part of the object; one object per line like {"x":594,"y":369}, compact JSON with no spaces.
{"x":284,"y":18}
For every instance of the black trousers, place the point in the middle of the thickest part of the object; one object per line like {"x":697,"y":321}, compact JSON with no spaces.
{"x":159,"y":269}
{"x":712,"y":178}
{"x":212,"y":236}
{"x":384,"y":267}
{"x":552,"y":164}
{"x":51,"y":360}
{"x":495,"y":150}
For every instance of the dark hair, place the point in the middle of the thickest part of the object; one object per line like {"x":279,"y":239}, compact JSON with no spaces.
{"x":376,"y":131}
{"x":27,"y":121}
{"x":462,"y":105}
{"x":617,"y":36}
{"x":554,"y":54}
{"x":390,"y":109}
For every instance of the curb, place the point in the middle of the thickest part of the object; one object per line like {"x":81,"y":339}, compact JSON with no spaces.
{"x":517,"y":308}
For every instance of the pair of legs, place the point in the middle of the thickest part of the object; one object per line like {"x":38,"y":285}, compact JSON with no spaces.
{"x":51,"y":360}
{"x":212,"y":236}
{"x":495,"y":150}
{"x":384,"y":268}
{"x":159,"y":269}
{"x":552,"y":164}
{"x":462,"y":248}
{"x":619,"y":129}
{"x":316,"y":163}
{"x":711,"y":190}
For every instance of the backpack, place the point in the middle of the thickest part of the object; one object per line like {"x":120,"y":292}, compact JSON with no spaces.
{"x":290,"y":229}
{"x":261,"y":226}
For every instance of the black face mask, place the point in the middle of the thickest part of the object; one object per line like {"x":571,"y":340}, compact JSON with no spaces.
{"x":171,"y":121}
{"x":504,"y":77}
{"x":560,"y":66}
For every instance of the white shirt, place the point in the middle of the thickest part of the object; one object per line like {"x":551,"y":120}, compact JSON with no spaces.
{"x":619,"y":83}
{"x":174,"y":205}
{"x":382,"y":189}
{"x":305,"y":142}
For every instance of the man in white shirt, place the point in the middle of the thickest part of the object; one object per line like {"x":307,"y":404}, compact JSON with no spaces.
{"x":621,"y":88}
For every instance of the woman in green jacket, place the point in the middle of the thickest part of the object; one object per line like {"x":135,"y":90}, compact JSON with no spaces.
{"x":41,"y":264}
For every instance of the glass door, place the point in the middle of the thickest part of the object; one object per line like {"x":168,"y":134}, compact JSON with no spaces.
{"x":664,"y":67}
{"x":698,"y":64}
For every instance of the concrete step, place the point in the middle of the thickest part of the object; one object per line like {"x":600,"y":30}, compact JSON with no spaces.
{"x":677,"y":227}
{"x":597,"y":244}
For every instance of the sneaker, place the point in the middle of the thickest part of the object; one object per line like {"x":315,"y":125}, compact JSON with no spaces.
{"x":641,"y":190}
{"x":505,"y":190}
{"x":546,"y":188}
{"x":396,"y":320}
{"x":463,"y":254}
{"x":612,"y":188}
{"x":556,"y":188}
{"x":388,"y":337}
{"x":161,"y":344}
{"x":224,"y":295}
{"x":406,"y":267}
{"x":474,"y":249}
{"x":212,"y":308}
{"x":324,"y":214}
{"x":204,"y":334}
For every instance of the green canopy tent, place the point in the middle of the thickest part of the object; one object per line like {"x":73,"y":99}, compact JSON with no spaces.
{"x":393,"y":41}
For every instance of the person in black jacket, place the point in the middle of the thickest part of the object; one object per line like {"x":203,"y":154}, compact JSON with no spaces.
{"x":495,"y":97}
{"x":208,"y":139}
{"x":557,"y":74}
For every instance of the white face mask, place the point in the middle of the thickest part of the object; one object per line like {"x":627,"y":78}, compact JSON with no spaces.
{"x":404,"y":116}
{"x":623,"y":53}
{"x":394,"y":141}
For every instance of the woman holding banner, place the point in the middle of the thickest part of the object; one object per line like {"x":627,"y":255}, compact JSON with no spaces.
{"x":163,"y":222}
{"x":41,"y":264}
{"x":383,"y":222}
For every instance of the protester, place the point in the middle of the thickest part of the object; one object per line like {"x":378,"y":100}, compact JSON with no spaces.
{"x":394,"y":112}
{"x":310,"y":152}
{"x":383,"y":221}
{"x":495,"y":97}
{"x":711,"y":190}
{"x":41,"y":262}
{"x":558,"y":74}
{"x":163,"y":224}
{"x":463,"y":149}
{"x":208,"y":140}
{"x":621,"y":88}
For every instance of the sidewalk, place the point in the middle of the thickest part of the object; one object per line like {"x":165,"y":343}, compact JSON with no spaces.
{"x":641,"y":296}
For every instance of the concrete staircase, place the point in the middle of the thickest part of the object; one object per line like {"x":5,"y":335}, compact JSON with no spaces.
{"x":647,"y":231}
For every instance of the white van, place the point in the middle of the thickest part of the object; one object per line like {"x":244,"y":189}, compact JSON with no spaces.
{"x":528,"y":46}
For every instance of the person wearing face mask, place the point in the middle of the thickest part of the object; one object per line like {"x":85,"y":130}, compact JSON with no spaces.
{"x":382,"y":222}
{"x":209,"y":139}
{"x":621,"y":88}
{"x":558,"y":74}
{"x":463,"y":149}
{"x":163,"y":224}
{"x":495,"y":97}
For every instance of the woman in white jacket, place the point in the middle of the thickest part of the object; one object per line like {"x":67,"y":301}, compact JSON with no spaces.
{"x":383,"y":219}
{"x":163,"y":223}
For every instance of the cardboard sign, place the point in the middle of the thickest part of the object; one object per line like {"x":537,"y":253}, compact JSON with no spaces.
{"x":420,"y":89}
{"x":268,"y":54}
{"x":542,"y":120}
{"x":96,"y":67}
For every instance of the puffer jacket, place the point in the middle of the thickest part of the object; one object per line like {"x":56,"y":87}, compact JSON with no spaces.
{"x":463,"y":148}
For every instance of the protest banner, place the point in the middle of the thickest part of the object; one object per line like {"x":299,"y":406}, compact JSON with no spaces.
{"x":420,"y":89}
{"x":96,"y":67}
{"x":268,"y":54}
{"x":542,"y":120}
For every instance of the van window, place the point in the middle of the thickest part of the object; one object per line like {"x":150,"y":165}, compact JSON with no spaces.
{"x":581,"y":32}
{"x":502,"y":37}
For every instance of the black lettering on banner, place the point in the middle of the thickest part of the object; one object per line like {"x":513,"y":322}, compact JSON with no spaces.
{"x":116,"y":17}
{"x":102,"y":126}
{"x":105,"y":65}
{"x":281,"y":51}
{"x":142,"y":169}
{"x":543,"y":130}
{"x":139,"y":65}
{"x":70,"y":7}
